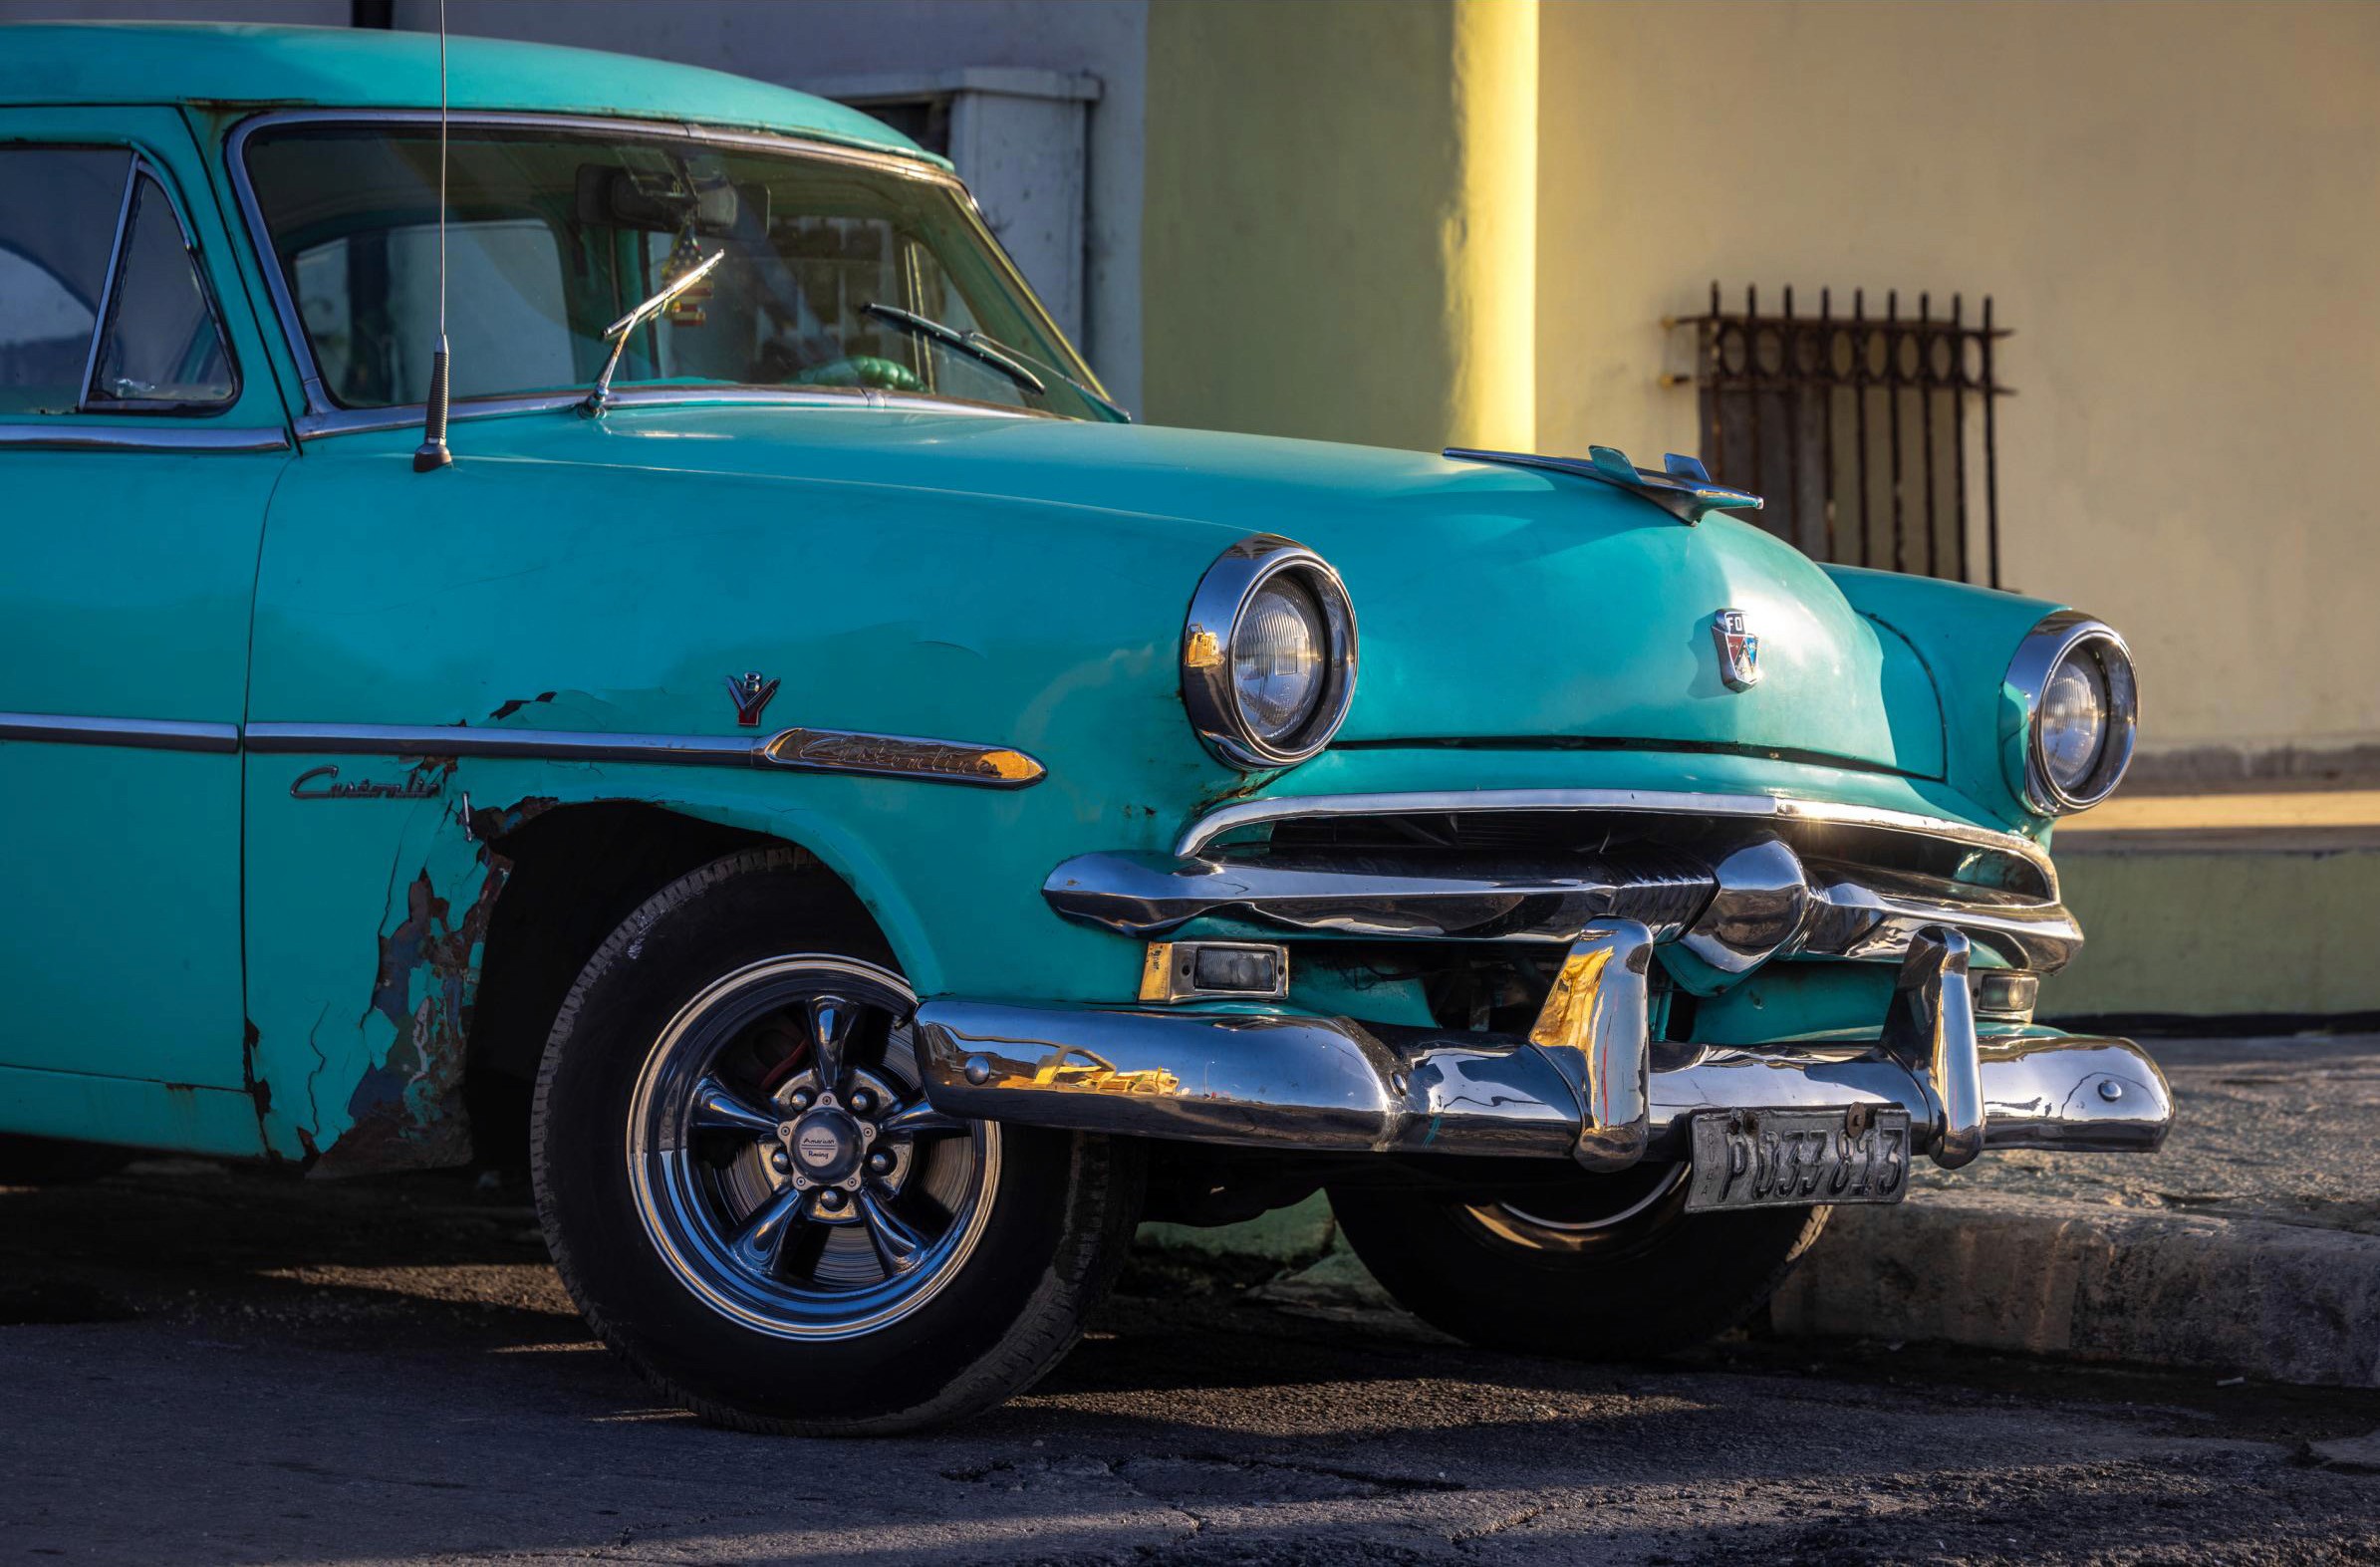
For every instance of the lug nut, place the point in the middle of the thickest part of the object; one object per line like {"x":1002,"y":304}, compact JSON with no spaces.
{"x":779,"y":1161}
{"x":831,"y":1200}
{"x":862,"y":1101}
{"x":879,"y":1163}
{"x":801,"y":1099}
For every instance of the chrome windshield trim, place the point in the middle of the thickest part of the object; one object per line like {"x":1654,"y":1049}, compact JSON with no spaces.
{"x":260,"y":236}
{"x":796,"y":749}
{"x":355,"y":422}
{"x":146,"y":734}
{"x":1759,"y":806}
{"x":145,"y":438}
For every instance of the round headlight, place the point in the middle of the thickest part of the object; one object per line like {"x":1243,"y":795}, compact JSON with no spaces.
{"x":1279,"y":657}
{"x":2081,"y":705}
{"x":1268,"y":654}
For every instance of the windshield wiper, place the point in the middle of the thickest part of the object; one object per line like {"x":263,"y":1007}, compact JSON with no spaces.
{"x":1015,"y":362}
{"x":973,"y":344}
{"x":617,"y":333}
{"x":1123,"y":414}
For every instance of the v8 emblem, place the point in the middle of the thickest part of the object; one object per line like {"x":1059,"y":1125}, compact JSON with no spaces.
{"x":751,"y":694}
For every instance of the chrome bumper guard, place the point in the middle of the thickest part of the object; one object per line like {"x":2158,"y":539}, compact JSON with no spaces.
{"x":1588,"y":1081}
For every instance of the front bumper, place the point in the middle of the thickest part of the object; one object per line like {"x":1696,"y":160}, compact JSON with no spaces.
{"x":1751,"y":880}
{"x":1605,"y":1099}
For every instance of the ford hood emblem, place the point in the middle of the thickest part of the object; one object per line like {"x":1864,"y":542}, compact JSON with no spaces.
{"x":1738,"y":650}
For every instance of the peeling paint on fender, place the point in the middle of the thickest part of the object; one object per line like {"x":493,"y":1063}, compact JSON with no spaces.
{"x":407,"y":1112}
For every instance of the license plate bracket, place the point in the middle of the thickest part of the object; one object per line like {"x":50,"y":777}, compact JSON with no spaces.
{"x":1761,"y":1158}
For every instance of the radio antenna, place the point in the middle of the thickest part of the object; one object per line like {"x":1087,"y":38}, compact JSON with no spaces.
{"x":432,"y":453}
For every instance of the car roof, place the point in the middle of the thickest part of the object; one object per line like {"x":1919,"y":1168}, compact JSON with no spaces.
{"x":233,"y":66}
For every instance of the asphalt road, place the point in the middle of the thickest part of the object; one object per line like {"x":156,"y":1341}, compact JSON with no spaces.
{"x":197,"y":1368}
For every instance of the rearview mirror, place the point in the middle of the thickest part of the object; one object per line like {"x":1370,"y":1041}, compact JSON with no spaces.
{"x":662,"y":203}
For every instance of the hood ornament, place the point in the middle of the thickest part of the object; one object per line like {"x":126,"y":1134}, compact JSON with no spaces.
{"x":752,"y":693}
{"x":1682,"y":488}
{"x":1738,"y":650}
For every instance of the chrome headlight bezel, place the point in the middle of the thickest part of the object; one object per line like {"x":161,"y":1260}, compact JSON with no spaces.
{"x":2057,"y":638}
{"x":1215,"y":613}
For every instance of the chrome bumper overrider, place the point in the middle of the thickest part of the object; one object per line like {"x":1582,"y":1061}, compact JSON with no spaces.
{"x":1588,"y":1081}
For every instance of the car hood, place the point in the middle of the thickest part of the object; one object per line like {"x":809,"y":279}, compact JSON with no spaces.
{"x":1497,"y":606}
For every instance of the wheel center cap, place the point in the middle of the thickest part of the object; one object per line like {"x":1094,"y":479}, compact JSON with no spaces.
{"x":826,"y":1144}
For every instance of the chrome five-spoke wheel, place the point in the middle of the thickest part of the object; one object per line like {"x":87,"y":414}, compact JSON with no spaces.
{"x":786,"y":1163}
{"x":747,"y":1192}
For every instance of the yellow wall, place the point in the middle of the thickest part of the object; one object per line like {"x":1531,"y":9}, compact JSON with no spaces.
{"x":1338,"y":238}
{"x":2177,"y":208}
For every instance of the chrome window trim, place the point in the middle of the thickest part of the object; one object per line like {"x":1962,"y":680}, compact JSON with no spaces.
{"x":321,"y":410}
{"x":148,"y":734}
{"x":145,"y":167}
{"x":142,"y":437}
{"x":99,"y":325}
{"x":1212,"y":626}
{"x":2037,"y":657}
{"x":1760,"y":807}
{"x":24,"y":432}
{"x":795,"y":750}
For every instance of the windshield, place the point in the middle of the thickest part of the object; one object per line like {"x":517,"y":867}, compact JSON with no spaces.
{"x":553,"y":235}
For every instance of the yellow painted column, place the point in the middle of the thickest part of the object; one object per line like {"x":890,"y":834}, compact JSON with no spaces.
{"x":1491,"y":239}
{"x":1339,"y":232}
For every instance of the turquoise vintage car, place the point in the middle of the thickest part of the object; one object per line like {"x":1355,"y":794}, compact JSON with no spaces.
{"x":864,"y":822}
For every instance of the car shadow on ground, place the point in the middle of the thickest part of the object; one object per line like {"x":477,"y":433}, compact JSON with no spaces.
{"x":329,"y":1337}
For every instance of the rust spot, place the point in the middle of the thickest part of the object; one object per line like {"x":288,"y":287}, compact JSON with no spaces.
{"x":1245,"y":788}
{"x":258,"y":1089}
{"x":407,"y":1112}
{"x":494,"y":822}
{"x":519,"y":702}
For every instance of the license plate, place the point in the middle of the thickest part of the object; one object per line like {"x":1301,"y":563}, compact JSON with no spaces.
{"x":1766,"y":1158}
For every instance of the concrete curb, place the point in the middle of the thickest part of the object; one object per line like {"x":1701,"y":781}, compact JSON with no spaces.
{"x":2280,"y":1302}
{"x":2237,"y":1296}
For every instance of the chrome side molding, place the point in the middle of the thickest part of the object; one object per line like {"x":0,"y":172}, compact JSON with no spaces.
{"x":146,"y":734}
{"x":156,"y":436}
{"x":802,"y":750}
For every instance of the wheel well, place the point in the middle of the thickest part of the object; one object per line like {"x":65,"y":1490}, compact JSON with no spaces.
{"x":576,"y":872}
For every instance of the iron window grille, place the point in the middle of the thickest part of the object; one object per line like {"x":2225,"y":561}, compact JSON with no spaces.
{"x":1865,"y":433}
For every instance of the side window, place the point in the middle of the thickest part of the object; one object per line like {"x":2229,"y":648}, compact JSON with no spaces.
{"x":101,"y":306}
{"x":57,"y":212}
{"x":162,"y":348}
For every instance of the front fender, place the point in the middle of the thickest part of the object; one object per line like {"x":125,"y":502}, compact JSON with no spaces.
{"x":1965,"y":637}
{"x":517,"y":592}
